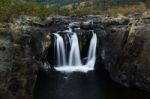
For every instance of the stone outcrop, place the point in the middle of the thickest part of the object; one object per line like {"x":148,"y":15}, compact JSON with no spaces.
{"x":132,"y":64}
{"x":21,"y":51}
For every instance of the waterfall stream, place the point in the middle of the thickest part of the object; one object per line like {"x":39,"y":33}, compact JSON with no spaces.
{"x":92,"y":51}
{"x":61,"y":54}
{"x":74,"y":61}
{"x":74,"y":56}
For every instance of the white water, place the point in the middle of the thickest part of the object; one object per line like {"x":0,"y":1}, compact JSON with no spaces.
{"x":74,"y":62}
{"x":61,"y":54}
{"x":92,"y":51}
{"x":74,"y":56}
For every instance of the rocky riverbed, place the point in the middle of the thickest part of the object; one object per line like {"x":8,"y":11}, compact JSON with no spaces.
{"x":123,"y":50}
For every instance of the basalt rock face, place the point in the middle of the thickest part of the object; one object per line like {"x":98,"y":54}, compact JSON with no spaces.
{"x":116,"y":39}
{"x":21,"y":51}
{"x":132,"y":65}
{"x":130,"y":60}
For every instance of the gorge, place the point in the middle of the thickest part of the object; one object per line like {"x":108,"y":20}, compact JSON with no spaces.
{"x":75,"y":57}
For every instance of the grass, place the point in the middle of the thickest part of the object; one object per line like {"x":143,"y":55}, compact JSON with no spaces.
{"x":128,"y":9}
{"x":113,"y":10}
{"x":10,"y":9}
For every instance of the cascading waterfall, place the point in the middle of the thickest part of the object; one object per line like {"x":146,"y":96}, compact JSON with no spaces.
{"x":61,"y":54}
{"x":92,"y":51}
{"x":74,"y":63}
{"x":74,"y":56}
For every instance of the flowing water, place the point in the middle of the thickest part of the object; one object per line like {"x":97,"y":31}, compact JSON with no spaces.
{"x":74,"y":62}
{"x":75,"y":80}
{"x":74,"y":56}
{"x":61,"y":54}
{"x":92,"y":52}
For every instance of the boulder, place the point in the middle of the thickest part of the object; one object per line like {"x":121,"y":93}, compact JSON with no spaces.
{"x":146,"y":15}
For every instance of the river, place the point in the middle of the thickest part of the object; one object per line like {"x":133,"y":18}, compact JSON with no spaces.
{"x":91,"y":85}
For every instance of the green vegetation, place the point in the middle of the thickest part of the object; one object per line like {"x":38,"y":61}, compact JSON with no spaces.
{"x":10,"y":9}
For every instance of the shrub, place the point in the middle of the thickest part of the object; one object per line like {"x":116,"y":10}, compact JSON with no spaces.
{"x":10,"y":9}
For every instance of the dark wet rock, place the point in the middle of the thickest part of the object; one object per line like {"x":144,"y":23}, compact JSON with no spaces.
{"x":21,"y":58}
{"x":24,"y":39}
{"x":4,"y":51}
{"x":39,"y":43}
{"x":116,"y":22}
{"x":2,"y":48}
{"x":132,"y":62}
{"x":37,"y":24}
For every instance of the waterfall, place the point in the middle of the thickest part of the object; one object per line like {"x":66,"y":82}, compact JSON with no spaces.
{"x":74,"y":62}
{"x":74,"y":56}
{"x":60,"y":47}
{"x":92,"y":51}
